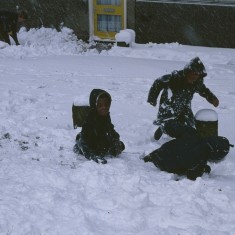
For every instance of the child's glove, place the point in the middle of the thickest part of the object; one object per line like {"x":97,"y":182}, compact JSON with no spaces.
{"x":117,"y":148}
{"x":153,"y":103}
{"x":215,"y":102}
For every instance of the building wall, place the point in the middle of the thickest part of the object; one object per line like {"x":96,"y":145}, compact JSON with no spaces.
{"x":189,"y":24}
{"x":73,"y":14}
{"x":159,"y":22}
{"x":52,"y":13}
{"x":130,"y":14}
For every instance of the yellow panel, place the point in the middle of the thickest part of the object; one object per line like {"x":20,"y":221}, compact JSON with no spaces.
{"x":107,"y":10}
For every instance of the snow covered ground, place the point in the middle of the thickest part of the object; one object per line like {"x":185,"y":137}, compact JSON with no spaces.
{"x":45,"y":189}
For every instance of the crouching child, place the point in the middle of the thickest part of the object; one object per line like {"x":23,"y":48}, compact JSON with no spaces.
{"x":189,"y":154}
{"x":98,"y":137}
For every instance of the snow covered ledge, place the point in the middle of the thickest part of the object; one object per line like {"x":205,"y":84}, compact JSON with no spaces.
{"x":207,"y":122}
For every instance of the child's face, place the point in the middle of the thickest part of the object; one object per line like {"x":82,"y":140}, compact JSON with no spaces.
{"x":103,"y":106}
{"x":21,"y":19}
{"x":192,"y":77}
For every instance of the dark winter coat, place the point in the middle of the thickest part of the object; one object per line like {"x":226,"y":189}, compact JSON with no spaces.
{"x":98,"y":136}
{"x":189,"y":155}
{"x":8,"y":24}
{"x":177,"y":94}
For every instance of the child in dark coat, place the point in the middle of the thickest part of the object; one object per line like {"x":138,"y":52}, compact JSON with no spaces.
{"x":189,"y":154}
{"x":178,"y":89}
{"x":98,"y":137}
{"x":8,"y":25}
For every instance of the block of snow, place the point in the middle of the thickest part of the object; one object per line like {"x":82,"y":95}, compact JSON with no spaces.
{"x":132,"y":32}
{"x":124,"y":36}
{"x":82,"y":100}
{"x":206,"y":115}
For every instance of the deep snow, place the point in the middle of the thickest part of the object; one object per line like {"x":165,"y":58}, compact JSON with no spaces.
{"x":45,"y":189}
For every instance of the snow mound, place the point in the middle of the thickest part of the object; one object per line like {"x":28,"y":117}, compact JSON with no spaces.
{"x":44,"y":41}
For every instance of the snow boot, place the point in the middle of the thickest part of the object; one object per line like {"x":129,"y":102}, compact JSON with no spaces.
{"x":207,"y":169}
{"x":158,"y":133}
{"x":148,"y":158}
{"x":99,"y":159}
{"x":77,"y":150}
{"x":196,"y":171}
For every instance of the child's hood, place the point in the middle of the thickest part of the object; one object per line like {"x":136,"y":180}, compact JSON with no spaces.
{"x":195,"y":65}
{"x":94,"y":97}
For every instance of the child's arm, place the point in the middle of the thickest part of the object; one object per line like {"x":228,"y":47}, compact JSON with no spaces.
{"x":207,"y":94}
{"x":156,"y":88}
